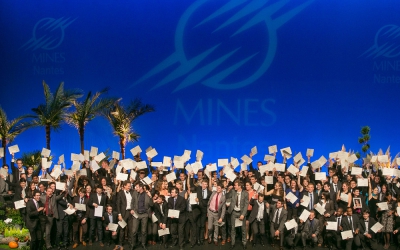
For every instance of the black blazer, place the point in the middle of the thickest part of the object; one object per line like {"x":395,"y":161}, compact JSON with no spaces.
{"x":254,"y":211}
{"x":346,"y":225}
{"x":180,"y":205}
{"x":157,"y":212}
{"x":93,"y":199}
{"x":106,"y":219}
{"x":371,"y":223}
{"x":32,"y":218}
{"x":62,"y":204}
{"x":203,"y":202}
{"x":121,"y":204}
{"x":75,"y":200}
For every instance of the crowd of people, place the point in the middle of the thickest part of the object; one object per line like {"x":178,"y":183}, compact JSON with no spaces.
{"x":187,"y":207}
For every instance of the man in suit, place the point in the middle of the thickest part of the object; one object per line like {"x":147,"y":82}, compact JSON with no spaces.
{"x":367,"y":236}
{"x":203,"y":196}
{"x":312,"y":195}
{"x":110,"y":236}
{"x":124,"y":207}
{"x":278,"y":217}
{"x":79,"y":219}
{"x":311,"y":230}
{"x":62,"y":221}
{"x":51,"y":213}
{"x":333,"y":238}
{"x":141,"y":210}
{"x":4,"y":186}
{"x":95,"y":200}
{"x":238,"y":210}
{"x":257,"y":218}
{"x":177,"y":225}
{"x":161,"y":212}
{"x":216,"y":213}
{"x":17,"y":171}
{"x":34,"y":208}
{"x":351,"y":222}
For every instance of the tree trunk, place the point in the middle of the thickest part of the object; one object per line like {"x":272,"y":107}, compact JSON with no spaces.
{"x":4,"y":144}
{"x":82,"y":138}
{"x":47,"y":136}
{"x":122,"y":146}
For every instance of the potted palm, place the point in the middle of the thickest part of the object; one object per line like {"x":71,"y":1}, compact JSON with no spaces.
{"x":23,"y":237}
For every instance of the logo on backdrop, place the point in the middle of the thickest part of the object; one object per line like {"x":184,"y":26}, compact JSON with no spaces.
{"x":48,"y":33}
{"x":220,"y":55}
{"x":385,"y":52}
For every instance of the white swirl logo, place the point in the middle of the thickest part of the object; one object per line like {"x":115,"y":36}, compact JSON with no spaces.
{"x":48,"y":33}
{"x":386,"y":42}
{"x":212,"y":67}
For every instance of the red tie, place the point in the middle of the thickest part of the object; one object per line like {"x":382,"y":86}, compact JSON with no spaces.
{"x":216,"y":203}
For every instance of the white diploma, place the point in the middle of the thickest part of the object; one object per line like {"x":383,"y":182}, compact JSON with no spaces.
{"x":173,"y":213}
{"x":156,"y":164}
{"x":94,"y":165}
{"x":122,"y":223}
{"x":99,"y":157}
{"x":304,"y":215}
{"x":291,"y":224}
{"x":112,"y":227}
{"x":56,"y":173}
{"x":321,"y":210}
{"x":147,"y":180}
{"x":320,"y":176}
{"x":80,"y":207}
{"x":141,"y":165}
{"x":280,"y":167}
{"x":136,"y":150}
{"x":60,"y":186}
{"x":331,"y":225}
{"x":1,"y":152}
{"x":356,"y":171}
{"x":19,"y":204}
{"x":152,"y":153}
{"x":212,"y":167}
{"x":344,"y":197}
{"x":223,"y":162}
{"x":192,"y":198}
{"x":230,"y":175}
{"x":269,"y":179}
{"x":115,"y":155}
{"x":86,"y":155}
{"x":171,"y":176}
{"x":154,"y":218}
{"x":347,"y":234}
{"x":362,"y":182}
{"x":292,"y":198}
{"x":272,"y":149}
{"x":98,"y":211}
{"x":13,"y":149}
{"x":163,"y":232}
{"x":122,"y":177}
{"x":69,"y":211}
{"x":376,"y":227}
{"x":306,"y":201}
{"x":238,"y":223}
{"x":61,"y":159}
{"x":304,"y":171}
{"x":383,"y":206}
{"x":310,"y":152}
{"x":388,"y":171}
{"x":93,"y":151}
{"x":293,"y":170}
{"x":45,"y":152}
{"x":166,"y":161}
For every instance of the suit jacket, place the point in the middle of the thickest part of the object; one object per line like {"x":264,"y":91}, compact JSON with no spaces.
{"x":77,"y":199}
{"x":4,"y":186}
{"x":62,"y":204}
{"x":121,"y":204}
{"x":93,"y":199}
{"x":311,"y":229}
{"x":106,"y":220}
{"x":221,"y":204}
{"x":32,"y":218}
{"x":282,"y":217}
{"x":244,"y":202}
{"x":15,"y":172}
{"x":161,"y":217}
{"x":179,"y":205}
{"x":254,"y":211}
{"x":203,"y":202}
{"x":315,"y":197}
{"x":371,"y":223}
{"x":346,"y":225}
{"x":148,"y":202}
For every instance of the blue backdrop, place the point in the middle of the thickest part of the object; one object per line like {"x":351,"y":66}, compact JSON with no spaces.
{"x":224,"y":76}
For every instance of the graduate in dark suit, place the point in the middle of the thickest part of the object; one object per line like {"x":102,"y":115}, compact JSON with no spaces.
{"x":203,"y":195}
{"x":34,"y":208}
{"x":124,"y":207}
{"x":367,"y":236}
{"x":177,"y":225}
{"x":110,"y":216}
{"x":79,"y":219}
{"x":257,"y":219}
{"x":95,"y":200}
{"x":351,"y":222}
{"x":278,"y":217}
{"x":160,"y":209}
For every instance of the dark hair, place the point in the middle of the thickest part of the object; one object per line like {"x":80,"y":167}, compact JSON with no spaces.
{"x":366,"y":211}
{"x":125,"y":183}
{"x":176,"y":190}
{"x":36,"y":192}
{"x":22,"y":180}
{"x":326,"y":195}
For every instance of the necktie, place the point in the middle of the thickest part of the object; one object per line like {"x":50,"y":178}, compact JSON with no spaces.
{"x":162,"y":212}
{"x":216,"y":203}
{"x":277,"y":217}
{"x":311,"y":201}
{"x":335,"y":187}
{"x":338,"y":224}
{"x":174,"y":202}
{"x":312,"y":224}
{"x":126,"y":192}
{"x":237,"y":200}
{"x":82,"y":200}
{"x":351,"y":223}
{"x":36,"y":204}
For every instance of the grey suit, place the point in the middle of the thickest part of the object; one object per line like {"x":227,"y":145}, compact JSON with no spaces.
{"x":236,"y":213}
{"x":142,"y":216}
{"x":214,"y":216}
{"x":278,"y":225}
{"x":310,"y":228}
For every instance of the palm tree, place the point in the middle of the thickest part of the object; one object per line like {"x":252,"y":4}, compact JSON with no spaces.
{"x":51,"y":114}
{"x":86,"y":111}
{"x":9,"y":130}
{"x":121,"y":120}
